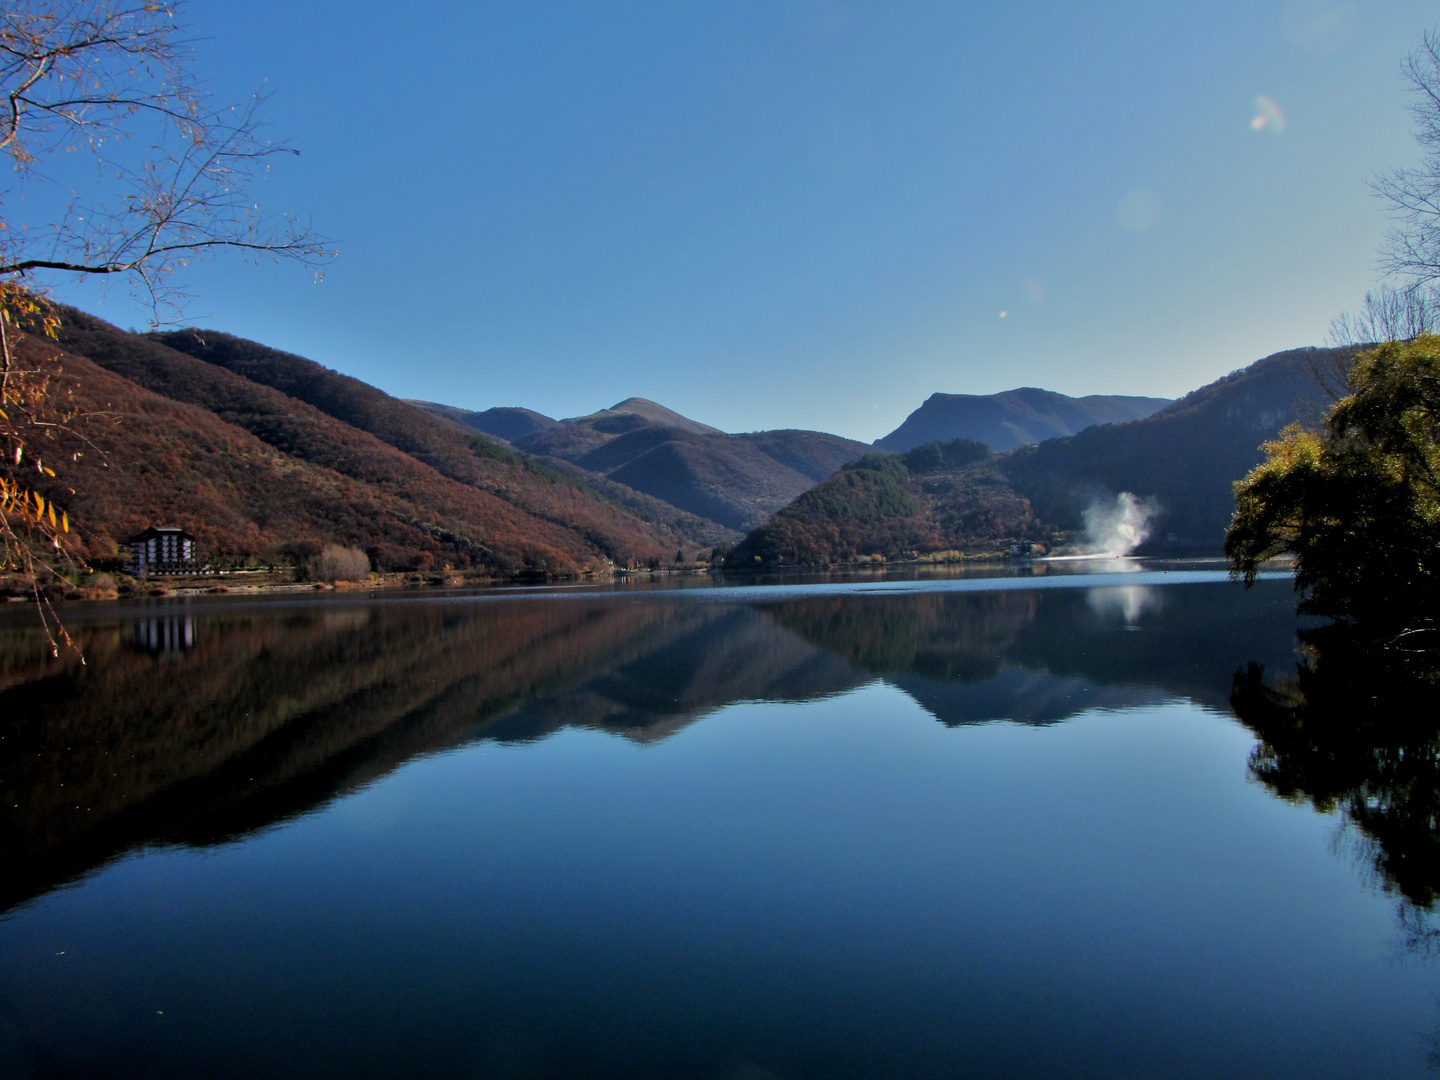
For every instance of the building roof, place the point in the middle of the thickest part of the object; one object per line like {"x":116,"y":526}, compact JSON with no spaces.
{"x":161,"y":530}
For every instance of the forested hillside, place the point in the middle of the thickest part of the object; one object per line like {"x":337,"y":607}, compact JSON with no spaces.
{"x":253,"y":471}
{"x":263,"y":455}
{"x":735,"y":480}
{"x":439,"y":442}
{"x":939,"y":497}
{"x":1186,"y":456}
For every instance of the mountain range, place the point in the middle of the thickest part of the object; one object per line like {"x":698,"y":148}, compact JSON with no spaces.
{"x":266,"y":455}
{"x":1013,"y":418}
{"x":735,"y":480}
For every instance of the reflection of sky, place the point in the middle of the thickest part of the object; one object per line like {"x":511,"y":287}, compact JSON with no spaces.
{"x":839,"y":887}
{"x":677,"y":835}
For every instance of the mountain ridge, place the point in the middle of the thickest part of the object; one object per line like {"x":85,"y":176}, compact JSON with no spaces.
{"x":1012,"y":418}
{"x":648,"y":410}
{"x":260,"y":451}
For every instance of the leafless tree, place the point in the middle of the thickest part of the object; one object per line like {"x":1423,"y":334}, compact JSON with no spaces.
{"x":1388,"y":314}
{"x":123,"y":167}
{"x":1412,"y":248}
{"x":128,"y":164}
{"x":1411,"y":252}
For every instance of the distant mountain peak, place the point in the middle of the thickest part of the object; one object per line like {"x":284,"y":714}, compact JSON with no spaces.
{"x":503,"y":422}
{"x":1011,"y":418}
{"x":650,"y":411}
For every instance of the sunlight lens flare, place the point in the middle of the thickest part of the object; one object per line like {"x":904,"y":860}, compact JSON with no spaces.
{"x":1268,"y":116}
{"x":1138,"y":210}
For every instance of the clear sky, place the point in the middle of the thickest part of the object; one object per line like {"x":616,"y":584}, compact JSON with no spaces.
{"x":797,"y":214}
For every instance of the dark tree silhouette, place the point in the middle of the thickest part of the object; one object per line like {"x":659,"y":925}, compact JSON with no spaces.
{"x":1354,"y":729}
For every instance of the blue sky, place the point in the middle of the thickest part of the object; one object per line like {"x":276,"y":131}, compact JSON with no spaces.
{"x":795,"y":214}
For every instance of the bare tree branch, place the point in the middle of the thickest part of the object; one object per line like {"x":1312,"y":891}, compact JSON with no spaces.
{"x":127,"y":168}
{"x":1412,"y":247}
{"x":170,"y":172}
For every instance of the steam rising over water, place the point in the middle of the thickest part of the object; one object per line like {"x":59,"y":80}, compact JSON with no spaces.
{"x":1118,"y":526}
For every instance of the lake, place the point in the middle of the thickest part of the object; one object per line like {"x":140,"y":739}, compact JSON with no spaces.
{"x":1079,"y":825}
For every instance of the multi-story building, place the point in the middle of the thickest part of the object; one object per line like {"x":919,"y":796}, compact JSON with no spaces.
{"x":163,"y":549}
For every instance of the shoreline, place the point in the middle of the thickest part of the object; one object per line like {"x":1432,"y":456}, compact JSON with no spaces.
{"x":236,"y":585}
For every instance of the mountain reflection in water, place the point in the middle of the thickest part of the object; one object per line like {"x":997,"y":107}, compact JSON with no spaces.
{"x":195,"y":724}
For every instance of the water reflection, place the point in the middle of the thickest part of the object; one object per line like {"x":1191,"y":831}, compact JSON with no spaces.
{"x":1127,"y":602}
{"x":200,"y":725}
{"x":161,"y":636}
{"x":1355,"y":729}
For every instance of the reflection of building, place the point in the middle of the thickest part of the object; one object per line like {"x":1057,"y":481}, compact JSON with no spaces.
{"x":163,"y":549}
{"x":170,"y":634}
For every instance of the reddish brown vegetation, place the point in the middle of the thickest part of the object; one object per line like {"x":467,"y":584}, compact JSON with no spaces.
{"x":254,"y":472}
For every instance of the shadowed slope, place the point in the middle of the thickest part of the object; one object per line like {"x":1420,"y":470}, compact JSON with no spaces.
{"x":1014,"y":418}
{"x":1183,"y":458}
{"x":1186,"y":456}
{"x":736,"y":480}
{"x":501,"y":423}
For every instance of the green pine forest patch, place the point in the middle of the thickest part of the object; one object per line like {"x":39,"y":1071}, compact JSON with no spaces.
{"x":948,"y":497}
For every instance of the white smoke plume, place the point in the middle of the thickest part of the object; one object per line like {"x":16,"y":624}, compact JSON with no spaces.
{"x":1118,"y":526}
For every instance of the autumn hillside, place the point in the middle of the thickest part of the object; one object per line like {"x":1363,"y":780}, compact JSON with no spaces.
{"x":450,"y":447}
{"x":258,"y":470}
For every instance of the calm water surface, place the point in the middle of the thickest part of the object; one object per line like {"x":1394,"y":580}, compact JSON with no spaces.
{"x":1077,"y":826}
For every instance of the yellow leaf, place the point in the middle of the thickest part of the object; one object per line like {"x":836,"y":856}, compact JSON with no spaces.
{"x":53,"y":523}
{"x":65,"y":521}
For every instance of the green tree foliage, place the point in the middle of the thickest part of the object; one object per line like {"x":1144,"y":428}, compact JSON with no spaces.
{"x":934,"y":457}
{"x":938,"y":497}
{"x":1356,"y":503}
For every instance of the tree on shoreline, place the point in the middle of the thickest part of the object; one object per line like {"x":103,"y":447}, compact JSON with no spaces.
{"x":124,"y":167}
{"x":1358,"y":503}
